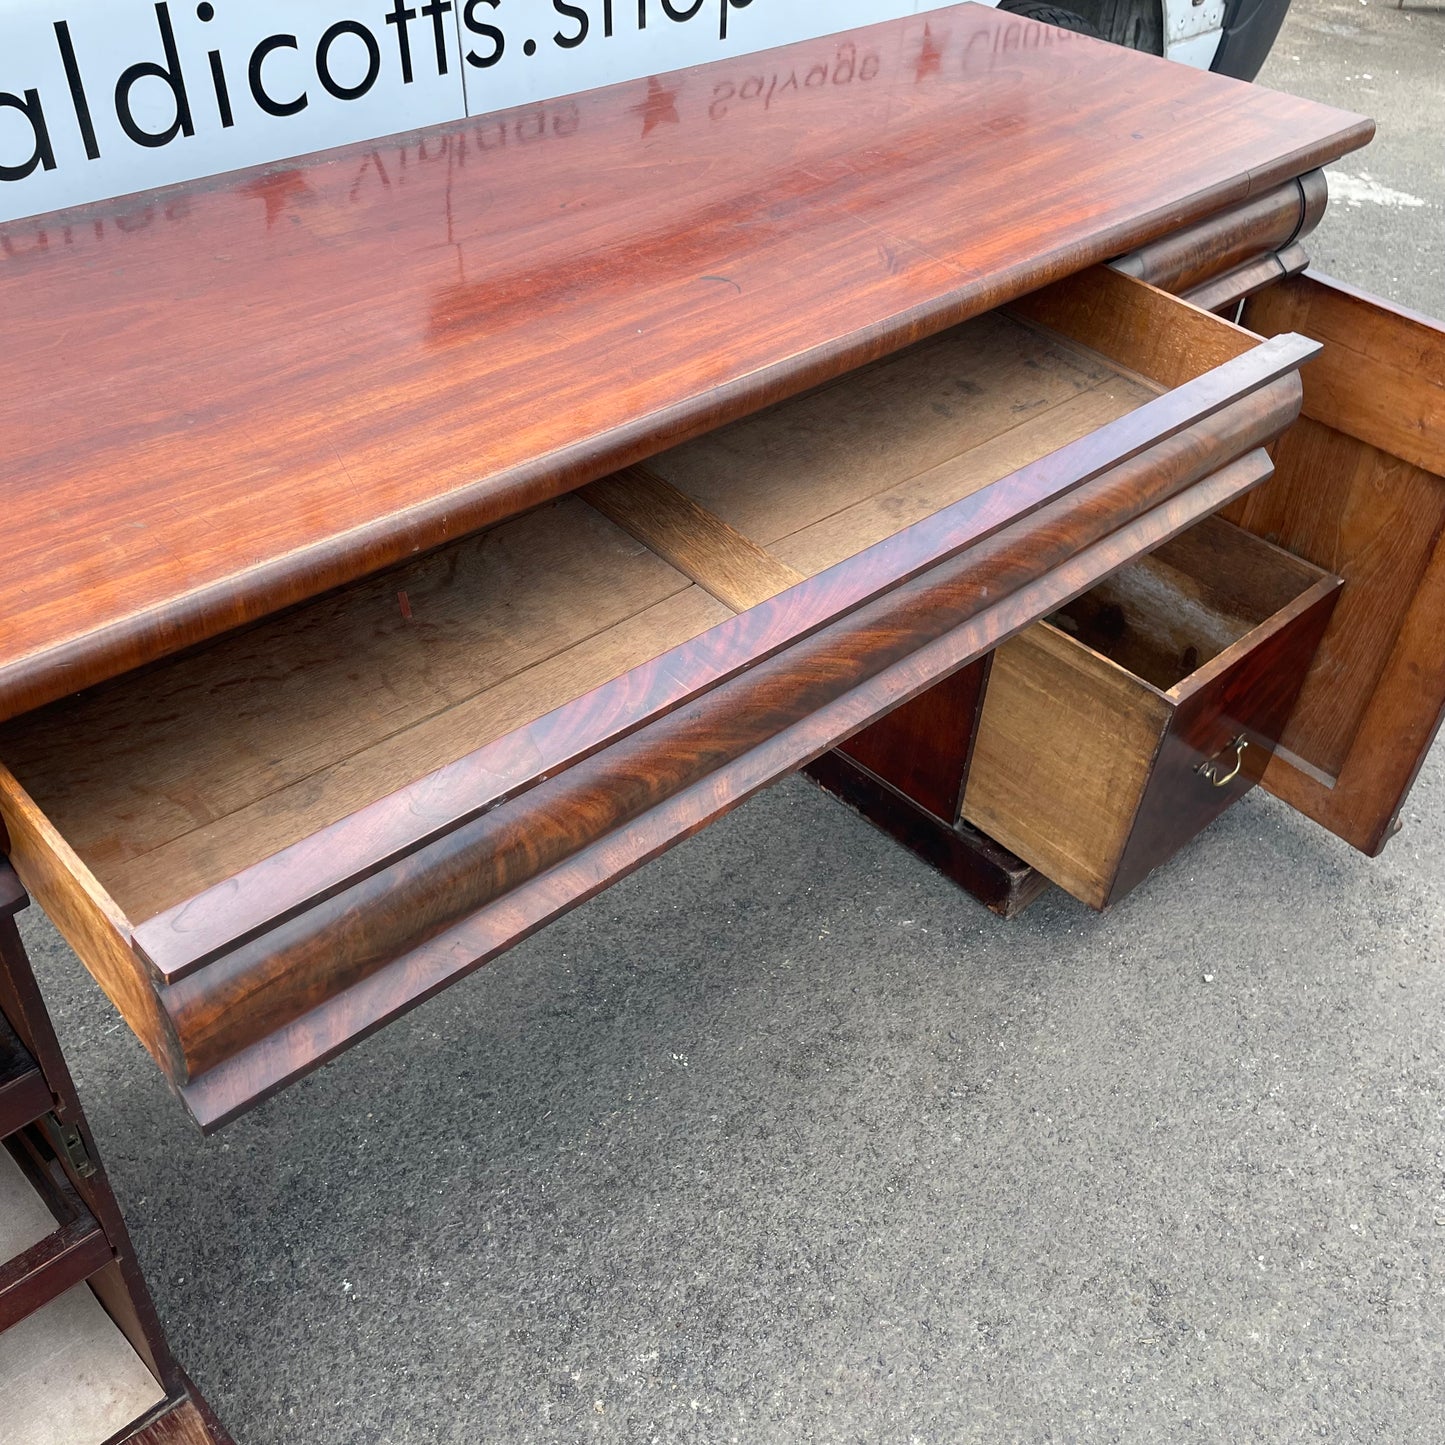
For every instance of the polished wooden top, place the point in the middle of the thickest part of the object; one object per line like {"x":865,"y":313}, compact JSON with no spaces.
{"x":224,"y":397}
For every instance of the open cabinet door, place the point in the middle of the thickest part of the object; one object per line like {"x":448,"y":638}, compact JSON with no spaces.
{"x":1359,"y":489}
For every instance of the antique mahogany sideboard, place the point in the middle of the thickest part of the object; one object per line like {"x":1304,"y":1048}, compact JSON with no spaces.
{"x":406,"y":542}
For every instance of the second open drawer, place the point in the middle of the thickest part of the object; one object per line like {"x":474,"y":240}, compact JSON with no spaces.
{"x":268,"y":846}
{"x":1116,"y":730}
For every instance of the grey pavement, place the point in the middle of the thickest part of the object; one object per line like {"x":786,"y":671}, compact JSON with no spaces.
{"x":786,"y":1140}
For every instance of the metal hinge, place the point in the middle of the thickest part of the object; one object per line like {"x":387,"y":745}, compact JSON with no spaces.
{"x":68,"y":1144}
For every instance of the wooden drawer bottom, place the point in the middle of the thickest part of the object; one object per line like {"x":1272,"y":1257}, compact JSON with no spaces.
{"x":1114,"y":732}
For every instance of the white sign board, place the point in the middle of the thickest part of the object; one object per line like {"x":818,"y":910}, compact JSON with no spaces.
{"x":102,"y":98}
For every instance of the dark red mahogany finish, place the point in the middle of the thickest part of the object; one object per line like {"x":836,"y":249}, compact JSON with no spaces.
{"x":224,"y":398}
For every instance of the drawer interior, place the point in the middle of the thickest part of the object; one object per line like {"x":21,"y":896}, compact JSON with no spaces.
{"x":1165,"y":616}
{"x":170,"y":780}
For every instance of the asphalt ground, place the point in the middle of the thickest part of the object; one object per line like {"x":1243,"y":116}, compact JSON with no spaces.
{"x":785,"y":1139}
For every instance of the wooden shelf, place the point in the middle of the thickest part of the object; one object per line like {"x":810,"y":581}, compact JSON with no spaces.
{"x":71,"y":1378}
{"x":75,"y":1249}
{"x":24,"y":1094}
{"x":82,"y":1356}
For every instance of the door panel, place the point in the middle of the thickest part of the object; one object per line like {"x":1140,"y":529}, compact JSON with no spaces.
{"x":1359,"y":490}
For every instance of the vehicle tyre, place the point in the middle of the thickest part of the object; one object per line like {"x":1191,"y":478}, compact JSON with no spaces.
{"x":1047,"y":14}
{"x":1134,"y":24}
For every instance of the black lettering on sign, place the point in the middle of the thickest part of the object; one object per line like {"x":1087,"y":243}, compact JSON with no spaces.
{"x":205,"y":13}
{"x":223,"y":95}
{"x":329,"y":82}
{"x":490,"y":32}
{"x":170,"y":74}
{"x":258,"y":90}
{"x":438,"y":10}
{"x":401,"y":16}
{"x":78,"y":98}
{"x":41,"y":153}
{"x":729,"y":5}
{"x":572,"y":12}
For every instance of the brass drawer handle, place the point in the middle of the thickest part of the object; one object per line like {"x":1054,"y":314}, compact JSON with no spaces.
{"x":1210,"y":771}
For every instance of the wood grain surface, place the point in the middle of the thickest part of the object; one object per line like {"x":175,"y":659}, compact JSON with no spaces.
{"x":922,"y":749}
{"x":1095,"y":724}
{"x":1272,"y":221}
{"x":180,"y":1424}
{"x":118,"y":1285}
{"x":298,"y":721}
{"x":728,"y":565}
{"x":1000,"y":880}
{"x":229,"y":396}
{"x":1248,"y":691}
{"x":83,"y":912}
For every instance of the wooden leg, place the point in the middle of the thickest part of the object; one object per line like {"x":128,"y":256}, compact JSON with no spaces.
{"x":183,"y":1418}
{"x":906,"y":775}
{"x":184,"y":1422}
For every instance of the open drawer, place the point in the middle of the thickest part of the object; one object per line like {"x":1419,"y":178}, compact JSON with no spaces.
{"x":1116,"y":730}
{"x":268,"y":846}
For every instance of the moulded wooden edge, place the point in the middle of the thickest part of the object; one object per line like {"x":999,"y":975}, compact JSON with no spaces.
{"x":258,"y":987}
{"x":1225,"y":293}
{"x":405,"y":894}
{"x":1232,"y":241}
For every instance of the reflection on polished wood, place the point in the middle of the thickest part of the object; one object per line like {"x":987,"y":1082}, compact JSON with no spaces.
{"x":224,"y":398}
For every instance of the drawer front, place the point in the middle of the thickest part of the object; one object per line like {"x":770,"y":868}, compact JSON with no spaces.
{"x":242,"y":984}
{"x":1202,"y":769}
{"x":1227,"y":257}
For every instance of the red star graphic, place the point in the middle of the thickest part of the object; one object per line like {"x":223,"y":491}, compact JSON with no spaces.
{"x":930,"y":58}
{"x":660,"y":107}
{"x":278,"y":191}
